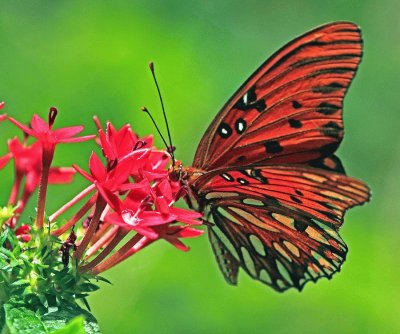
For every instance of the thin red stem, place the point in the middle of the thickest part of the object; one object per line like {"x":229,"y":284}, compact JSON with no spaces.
{"x":94,"y":222}
{"x":47,"y":158}
{"x":72,"y":202}
{"x":101,"y":242}
{"x":125,"y":251}
{"x":106,"y":251}
{"x":75,"y":218}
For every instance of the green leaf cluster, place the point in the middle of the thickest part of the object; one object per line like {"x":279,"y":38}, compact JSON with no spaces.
{"x":38,"y":292}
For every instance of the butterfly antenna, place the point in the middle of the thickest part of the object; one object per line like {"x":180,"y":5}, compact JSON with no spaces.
{"x":170,"y":148}
{"x":155,"y":124}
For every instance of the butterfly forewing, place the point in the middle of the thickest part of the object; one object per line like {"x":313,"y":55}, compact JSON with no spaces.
{"x":290,"y":110}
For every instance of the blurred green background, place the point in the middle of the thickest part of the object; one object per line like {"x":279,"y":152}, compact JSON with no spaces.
{"x":90,"y":57}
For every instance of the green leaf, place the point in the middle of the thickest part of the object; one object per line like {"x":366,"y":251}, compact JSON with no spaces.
{"x":20,"y":282}
{"x":4,"y":236}
{"x":75,"y":326}
{"x":100,"y":278}
{"x":21,"y":320}
{"x":66,"y":312}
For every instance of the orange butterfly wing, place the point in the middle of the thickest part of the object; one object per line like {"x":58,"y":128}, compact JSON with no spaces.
{"x":290,"y":110}
{"x":279,"y":223}
{"x":269,"y":182}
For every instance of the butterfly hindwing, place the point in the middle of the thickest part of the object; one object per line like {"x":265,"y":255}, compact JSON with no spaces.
{"x":227,"y":263}
{"x":279,"y":223}
{"x":281,"y":252}
{"x":290,"y":110}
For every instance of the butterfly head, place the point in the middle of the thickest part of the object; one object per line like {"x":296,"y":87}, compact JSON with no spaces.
{"x":177,"y":172}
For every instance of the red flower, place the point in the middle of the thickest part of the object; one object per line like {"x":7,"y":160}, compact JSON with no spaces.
{"x":116,"y":144}
{"x":46,"y":135}
{"x":49,"y":138}
{"x":28,"y":164}
{"x":115,"y":177}
{"x":147,"y":207}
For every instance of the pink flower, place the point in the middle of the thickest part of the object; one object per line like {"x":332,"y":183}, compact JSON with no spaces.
{"x":114,"y":177}
{"x":28,"y":164}
{"x":147,"y":206}
{"x":116,"y":144}
{"x":46,"y":135}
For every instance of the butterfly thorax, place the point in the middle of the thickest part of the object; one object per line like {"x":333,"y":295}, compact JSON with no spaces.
{"x":186,"y":176}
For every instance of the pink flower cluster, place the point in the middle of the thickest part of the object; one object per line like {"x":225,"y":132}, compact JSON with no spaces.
{"x":129,"y":201}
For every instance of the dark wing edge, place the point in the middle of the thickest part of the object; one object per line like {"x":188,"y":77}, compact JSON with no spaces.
{"x":227,"y":264}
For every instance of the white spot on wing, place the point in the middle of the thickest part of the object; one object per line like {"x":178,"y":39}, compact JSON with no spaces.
{"x":245,"y":98}
{"x":240,"y":126}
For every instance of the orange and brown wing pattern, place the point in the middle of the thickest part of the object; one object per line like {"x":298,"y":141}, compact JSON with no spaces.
{"x":280,"y":224}
{"x":290,"y":110}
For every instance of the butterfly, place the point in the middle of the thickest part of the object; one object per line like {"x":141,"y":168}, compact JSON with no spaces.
{"x":265,"y":176}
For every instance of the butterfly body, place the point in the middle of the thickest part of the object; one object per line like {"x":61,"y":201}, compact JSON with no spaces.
{"x":265,"y":174}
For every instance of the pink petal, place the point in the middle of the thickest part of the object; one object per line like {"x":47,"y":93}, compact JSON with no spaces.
{"x":32,"y":181}
{"x":187,"y":216}
{"x":61,"y":175}
{"x":39,"y":125}
{"x":152,"y":218}
{"x":4,"y":160}
{"x":146,"y":232}
{"x":83,"y":173}
{"x":162,"y":205}
{"x":96,"y":168}
{"x":22,"y":127}
{"x":77,"y":139}
{"x":188,"y":232}
{"x":105,"y":146}
{"x":64,"y":133}
{"x":112,"y":200}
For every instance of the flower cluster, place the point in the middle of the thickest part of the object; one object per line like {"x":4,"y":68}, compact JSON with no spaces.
{"x":128,"y":204}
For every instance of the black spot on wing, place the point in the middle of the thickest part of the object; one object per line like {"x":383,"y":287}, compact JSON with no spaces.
{"x":296,"y":104}
{"x":331,"y":129}
{"x":294,"y":123}
{"x":256,"y":173}
{"x":224,"y":130}
{"x":295,"y":199}
{"x":328,"y":89}
{"x":300,"y":226}
{"x":326,"y":108}
{"x":328,"y":148}
{"x":249,"y":101}
{"x":273,"y":146}
{"x":330,"y":163}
